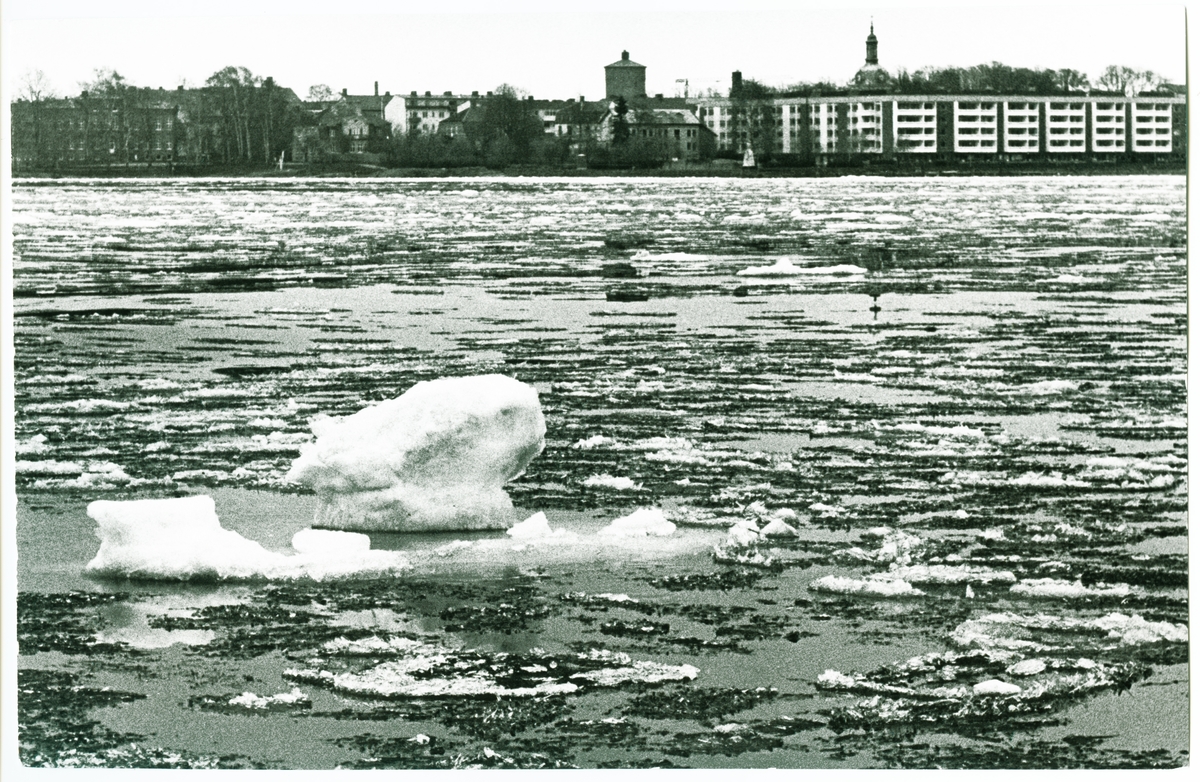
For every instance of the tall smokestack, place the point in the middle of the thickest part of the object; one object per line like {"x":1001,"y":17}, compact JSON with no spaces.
{"x":376,"y":89}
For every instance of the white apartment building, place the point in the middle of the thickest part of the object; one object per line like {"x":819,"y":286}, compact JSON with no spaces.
{"x":914,"y":126}
{"x":1022,"y":126}
{"x":1066,"y":126}
{"x":1150,"y":126}
{"x":1108,"y":126}
{"x":976,"y":126}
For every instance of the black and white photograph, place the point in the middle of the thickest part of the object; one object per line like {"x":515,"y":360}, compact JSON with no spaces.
{"x":649,"y":385}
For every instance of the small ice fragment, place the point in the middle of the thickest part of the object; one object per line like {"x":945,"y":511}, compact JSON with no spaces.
{"x":618,"y":483}
{"x":970,"y":592}
{"x":729,"y":727}
{"x":420,"y":738}
{"x":995,"y":687}
{"x":1027,"y":667}
{"x":835,"y":679}
{"x":885,"y":587}
{"x":778,"y":528}
{"x":534,"y":527}
{"x":645,"y":521}
{"x":960,"y":513}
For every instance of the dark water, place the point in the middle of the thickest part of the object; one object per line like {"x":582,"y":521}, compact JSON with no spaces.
{"x":1017,"y":405}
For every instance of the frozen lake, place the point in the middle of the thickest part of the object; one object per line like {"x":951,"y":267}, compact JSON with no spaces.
{"x":1006,"y":435}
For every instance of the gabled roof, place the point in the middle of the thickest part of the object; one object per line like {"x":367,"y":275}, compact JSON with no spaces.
{"x":587,"y":112}
{"x":645,"y":116}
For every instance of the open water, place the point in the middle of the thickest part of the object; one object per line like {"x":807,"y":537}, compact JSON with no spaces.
{"x":1006,"y":433}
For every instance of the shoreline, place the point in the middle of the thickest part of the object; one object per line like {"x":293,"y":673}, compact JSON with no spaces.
{"x":378,"y":172}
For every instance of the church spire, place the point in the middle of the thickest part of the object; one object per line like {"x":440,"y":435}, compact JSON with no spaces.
{"x":872,"y":46}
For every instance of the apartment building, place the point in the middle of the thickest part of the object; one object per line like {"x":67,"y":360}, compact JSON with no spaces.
{"x":966,"y":126}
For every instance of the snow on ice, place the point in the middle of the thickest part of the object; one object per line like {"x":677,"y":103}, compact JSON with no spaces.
{"x":435,"y":458}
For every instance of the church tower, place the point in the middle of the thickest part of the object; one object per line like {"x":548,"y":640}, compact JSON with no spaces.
{"x":872,"y":47}
{"x":871,"y":76}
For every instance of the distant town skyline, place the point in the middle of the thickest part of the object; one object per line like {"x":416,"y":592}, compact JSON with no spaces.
{"x":536,"y":47}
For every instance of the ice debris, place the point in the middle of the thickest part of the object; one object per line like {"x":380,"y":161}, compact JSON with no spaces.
{"x":1007,"y":630}
{"x":618,"y":483}
{"x":1054,"y":587}
{"x":435,"y":458}
{"x":642,"y":522}
{"x":876,"y":585}
{"x":995,"y":687}
{"x":249,"y":700}
{"x":182,"y":539}
{"x":422,"y":670}
{"x":786,"y":267}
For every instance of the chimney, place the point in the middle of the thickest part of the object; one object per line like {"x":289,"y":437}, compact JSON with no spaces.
{"x":658,"y":96}
{"x":737,"y":80}
{"x":474,"y":93}
{"x":428,"y":93}
{"x":376,"y":89}
{"x":344,"y":93}
{"x":387,"y":94}
{"x":489,"y":93}
{"x":625,"y":56}
{"x":447,"y":94}
{"x":580,"y":100}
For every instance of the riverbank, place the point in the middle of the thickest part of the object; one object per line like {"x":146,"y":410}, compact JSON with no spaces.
{"x":947,"y":168}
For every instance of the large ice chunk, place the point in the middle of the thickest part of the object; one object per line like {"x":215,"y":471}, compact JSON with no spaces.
{"x":182,"y":539}
{"x":435,"y":458}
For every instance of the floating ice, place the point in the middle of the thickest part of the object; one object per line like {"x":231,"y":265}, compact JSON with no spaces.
{"x":1048,"y":387}
{"x":995,"y":687}
{"x":645,"y":521}
{"x":249,"y":700}
{"x":951,"y":574}
{"x":435,"y":458}
{"x":182,"y":539}
{"x":422,"y":670}
{"x":620,"y":484}
{"x":537,"y":527}
{"x":884,"y":587}
{"x":1007,"y":630}
{"x":1028,"y":667}
{"x":34,"y":445}
{"x":785,"y":267}
{"x":1054,"y":587}
{"x":778,"y":528}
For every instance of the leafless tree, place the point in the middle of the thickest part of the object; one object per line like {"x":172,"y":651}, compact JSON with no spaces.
{"x":34,"y":86}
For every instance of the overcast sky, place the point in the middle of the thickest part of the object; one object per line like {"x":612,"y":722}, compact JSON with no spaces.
{"x":552,"y":53}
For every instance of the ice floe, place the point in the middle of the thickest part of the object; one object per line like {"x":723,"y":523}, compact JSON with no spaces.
{"x":1054,"y":587}
{"x":435,"y":458}
{"x":640,"y":523}
{"x":1007,"y":630}
{"x":951,"y":574}
{"x":422,"y":670}
{"x":249,"y":700}
{"x":611,"y":482}
{"x":182,"y":539}
{"x":879,"y":585}
{"x":786,"y":267}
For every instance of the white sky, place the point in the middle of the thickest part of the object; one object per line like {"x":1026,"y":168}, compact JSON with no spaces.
{"x":537,"y":46}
